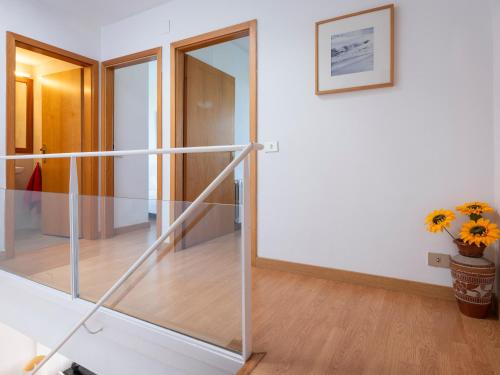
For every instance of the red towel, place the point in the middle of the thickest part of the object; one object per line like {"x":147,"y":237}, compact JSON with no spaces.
{"x":32,"y":194}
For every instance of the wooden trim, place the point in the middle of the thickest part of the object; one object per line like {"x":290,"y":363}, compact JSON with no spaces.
{"x":177,"y":51}
{"x":107,"y":180}
{"x":50,"y":50}
{"x":10,"y":144}
{"x":131,"y":228}
{"x":29,"y":116}
{"x":389,"y":283}
{"x":134,"y":58}
{"x":107,"y":130}
{"x":494,"y":306}
{"x":10,"y":109}
{"x":90,"y":125}
{"x":252,"y":29}
{"x":251,"y":364}
{"x":90,"y":142}
{"x":214,"y":37}
{"x":355,"y":88}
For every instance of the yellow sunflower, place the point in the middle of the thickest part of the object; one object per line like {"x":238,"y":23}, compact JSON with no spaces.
{"x":438,"y":220}
{"x":474,"y":208}
{"x":481,"y":232}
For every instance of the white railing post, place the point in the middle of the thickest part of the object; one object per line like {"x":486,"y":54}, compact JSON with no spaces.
{"x":74,"y":228}
{"x":246,"y":266}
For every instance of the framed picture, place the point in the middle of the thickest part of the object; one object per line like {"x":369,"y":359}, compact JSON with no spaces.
{"x":355,"y":51}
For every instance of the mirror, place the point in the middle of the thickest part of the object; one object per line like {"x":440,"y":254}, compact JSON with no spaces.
{"x":24,"y":115}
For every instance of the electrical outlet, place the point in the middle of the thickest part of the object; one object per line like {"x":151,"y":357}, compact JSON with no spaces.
{"x":439,"y":260}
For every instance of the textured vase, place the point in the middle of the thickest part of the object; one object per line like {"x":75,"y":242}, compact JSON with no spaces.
{"x":473,"y":280}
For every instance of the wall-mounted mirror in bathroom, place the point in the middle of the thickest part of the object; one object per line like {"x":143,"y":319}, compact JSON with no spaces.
{"x":24,"y":114}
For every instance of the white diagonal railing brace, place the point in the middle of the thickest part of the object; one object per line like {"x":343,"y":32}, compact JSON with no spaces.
{"x":245,"y":151}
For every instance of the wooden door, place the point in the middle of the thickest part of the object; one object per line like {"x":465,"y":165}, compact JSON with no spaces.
{"x":208,"y":121}
{"x":62,"y":117}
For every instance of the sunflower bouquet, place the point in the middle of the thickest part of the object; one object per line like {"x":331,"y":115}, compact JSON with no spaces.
{"x":475,"y":235}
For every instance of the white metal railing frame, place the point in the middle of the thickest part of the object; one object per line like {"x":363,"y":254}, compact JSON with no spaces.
{"x":245,"y":151}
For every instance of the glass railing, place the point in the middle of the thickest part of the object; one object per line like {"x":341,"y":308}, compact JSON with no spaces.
{"x":192,"y":284}
{"x":179,"y":265}
{"x":35,"y":237}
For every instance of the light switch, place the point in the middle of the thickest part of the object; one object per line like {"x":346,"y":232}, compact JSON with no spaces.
{"x":271,"y":146}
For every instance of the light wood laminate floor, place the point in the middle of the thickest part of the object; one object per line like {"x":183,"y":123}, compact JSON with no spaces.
{"x":315,"y":326}
{"x":196,"y":291}
{"x":305,"y":325}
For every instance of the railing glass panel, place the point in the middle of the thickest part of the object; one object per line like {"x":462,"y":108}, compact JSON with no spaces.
{"x":35,"y":237}
{"x":191,"y":285}
{"x":179,"y":265}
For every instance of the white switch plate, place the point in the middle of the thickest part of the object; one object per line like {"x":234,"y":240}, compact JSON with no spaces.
{"x":271,"y":146}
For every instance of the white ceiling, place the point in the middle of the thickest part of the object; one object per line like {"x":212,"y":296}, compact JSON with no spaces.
{"x":103,"y":12}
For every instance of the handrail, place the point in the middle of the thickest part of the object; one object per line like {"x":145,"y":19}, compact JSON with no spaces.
{"x":160,"y":151}
{"x":192,"y":207}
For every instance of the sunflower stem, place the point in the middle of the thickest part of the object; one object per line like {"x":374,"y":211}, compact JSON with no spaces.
{"x":451,"y":235}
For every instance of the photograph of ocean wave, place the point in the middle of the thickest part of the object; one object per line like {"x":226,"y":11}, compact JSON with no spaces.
{"x":352,"y":52}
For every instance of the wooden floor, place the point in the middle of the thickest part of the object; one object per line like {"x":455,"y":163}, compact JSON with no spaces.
{"x":315,"y":326}
{"x":196,"y":291}
{"x":305,"y":325}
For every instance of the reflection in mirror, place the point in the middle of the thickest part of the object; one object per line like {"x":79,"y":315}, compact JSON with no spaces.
{"x":24,"y":114}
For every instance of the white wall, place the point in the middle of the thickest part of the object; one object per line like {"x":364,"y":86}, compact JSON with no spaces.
{"x":57,"y":363}
{"x":15,"y":351}
{"x":131,"y":122}
{"x":357,"y":172}
{"x":496,"y":112}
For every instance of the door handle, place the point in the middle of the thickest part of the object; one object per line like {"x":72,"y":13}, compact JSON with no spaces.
{"x":43,"y":149}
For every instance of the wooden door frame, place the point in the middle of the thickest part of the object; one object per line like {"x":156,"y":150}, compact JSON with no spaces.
{"x":107,"y":130}
{"x":90,"y":128}
{"x":177,"y":52}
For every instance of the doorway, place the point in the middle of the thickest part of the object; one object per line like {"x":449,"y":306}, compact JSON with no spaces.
{"x":51,"y":107}
{"x":131,"y":111}
{"x":213,"y":102}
